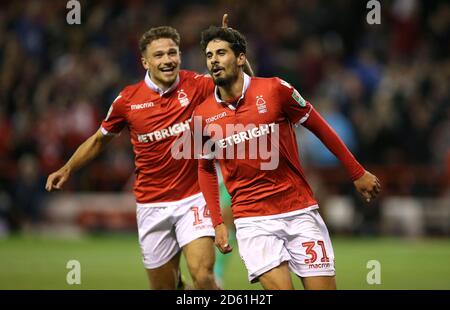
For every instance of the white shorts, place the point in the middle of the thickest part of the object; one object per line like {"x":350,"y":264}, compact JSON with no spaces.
{"x":164,"y":228}
{"x":302,"y":240}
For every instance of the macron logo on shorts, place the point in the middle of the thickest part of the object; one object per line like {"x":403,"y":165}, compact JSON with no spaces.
{"x":319,"y":266}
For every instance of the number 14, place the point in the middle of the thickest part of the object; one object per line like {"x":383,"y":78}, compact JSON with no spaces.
{"x":197,"y":219}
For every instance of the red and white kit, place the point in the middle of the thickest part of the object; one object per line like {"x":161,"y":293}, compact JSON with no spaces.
{"x":155,"y":118}
{"x":274,"y":209}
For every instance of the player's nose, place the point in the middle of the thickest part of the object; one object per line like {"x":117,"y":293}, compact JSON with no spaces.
{"x":213,"y":59}
{"x":167,"y":59}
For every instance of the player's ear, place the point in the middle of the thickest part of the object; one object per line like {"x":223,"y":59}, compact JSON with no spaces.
{"x":241,"y":59}
{"x":144,"y":63}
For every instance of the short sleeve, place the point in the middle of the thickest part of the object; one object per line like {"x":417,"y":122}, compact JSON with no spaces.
{"x":293,"y":105}
{"x":116,"y":118}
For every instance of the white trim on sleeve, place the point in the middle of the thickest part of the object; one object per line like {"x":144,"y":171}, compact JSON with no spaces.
{"x":107,"y":133}
{"x":304,"y":118}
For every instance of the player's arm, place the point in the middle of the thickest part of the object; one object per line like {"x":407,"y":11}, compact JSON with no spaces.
{"x":247,"y":68}
{"x":298,"y":110}
{"x":208,"y":182}
{"x":88,"y":150}
{"x":366,"y":183}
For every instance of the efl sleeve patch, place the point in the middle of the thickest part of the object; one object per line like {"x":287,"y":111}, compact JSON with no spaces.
{"x":297,"y":97}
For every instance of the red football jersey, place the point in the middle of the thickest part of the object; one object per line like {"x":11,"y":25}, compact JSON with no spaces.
{"x":155,"y":119}
{"x":255,"y":144}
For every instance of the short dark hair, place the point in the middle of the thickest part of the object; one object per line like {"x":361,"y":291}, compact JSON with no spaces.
{"x":236,"y":40}
{"x":163,"y":32}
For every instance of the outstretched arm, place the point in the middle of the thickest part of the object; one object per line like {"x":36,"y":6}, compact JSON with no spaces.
{"x":88,"y":150}
{"x":207,"y":179}
{"x":366,"y":183}
{"x":247,"y":68}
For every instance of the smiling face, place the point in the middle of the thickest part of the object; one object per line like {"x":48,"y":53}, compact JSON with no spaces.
{"x":162,"y":59}
{"x":223,"y":65}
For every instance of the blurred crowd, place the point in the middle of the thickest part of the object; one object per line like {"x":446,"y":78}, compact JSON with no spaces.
{"x":384,"y":88}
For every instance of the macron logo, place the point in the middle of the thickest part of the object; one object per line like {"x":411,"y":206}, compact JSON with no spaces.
{"x":142,"y":105}
{"x":216,"y":117}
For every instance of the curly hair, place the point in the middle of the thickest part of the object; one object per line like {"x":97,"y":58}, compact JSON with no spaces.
{"x":236,"y":40}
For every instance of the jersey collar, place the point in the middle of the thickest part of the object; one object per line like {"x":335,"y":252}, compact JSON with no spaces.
{"x":244,"y":90}
{"x":156,"y":88}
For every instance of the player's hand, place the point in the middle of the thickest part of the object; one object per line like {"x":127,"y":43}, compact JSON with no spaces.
{"x":56,"y":180}
{"x":225,"y":21}
{"x":221,"y":240}
{"x":368,"y":186}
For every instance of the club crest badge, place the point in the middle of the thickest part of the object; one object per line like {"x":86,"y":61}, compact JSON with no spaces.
{"x":261,"y":104}
{"x":183,"y":98}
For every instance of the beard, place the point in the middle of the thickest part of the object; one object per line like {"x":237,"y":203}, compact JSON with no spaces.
{"x":226,"y":80}
{"x":222,"y":81}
